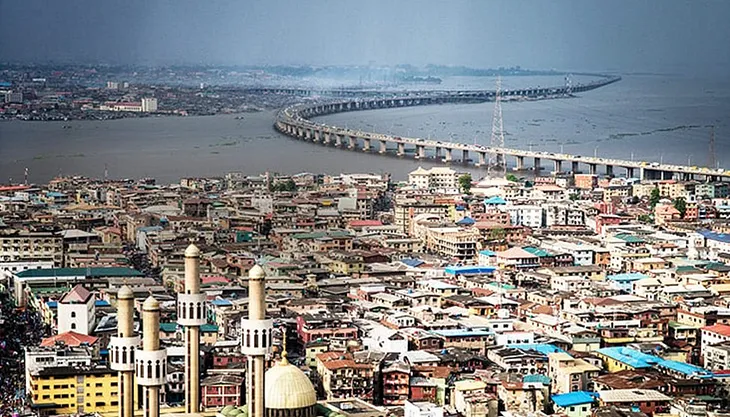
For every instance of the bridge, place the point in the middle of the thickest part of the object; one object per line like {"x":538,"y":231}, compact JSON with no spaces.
{"x":295,"y":121}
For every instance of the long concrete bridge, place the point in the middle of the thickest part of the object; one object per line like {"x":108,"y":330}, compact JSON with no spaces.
{"x":295,"y":121}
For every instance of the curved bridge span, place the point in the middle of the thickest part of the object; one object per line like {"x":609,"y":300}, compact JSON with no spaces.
{"x":295,"y":121}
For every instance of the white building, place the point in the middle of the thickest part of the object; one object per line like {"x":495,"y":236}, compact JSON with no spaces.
{"x":422,"y":409}
{"x":525,"y":215}
{"x":149,"y":104}
{"x":434,"y":178}
{"x":76,"y":311}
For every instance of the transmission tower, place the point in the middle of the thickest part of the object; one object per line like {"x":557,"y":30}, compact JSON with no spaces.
{"x":496,"y":166}
{"x":712,"y":160}
{"x":569,"y":85}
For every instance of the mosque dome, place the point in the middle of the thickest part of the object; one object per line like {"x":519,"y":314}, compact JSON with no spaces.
{"x":288,"y":391}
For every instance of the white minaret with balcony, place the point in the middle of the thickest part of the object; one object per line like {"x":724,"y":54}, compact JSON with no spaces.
{"x":256,"y":341}
{"x":191,"y":315}
{"x":150,"y":362}
{"x":121,"y":350}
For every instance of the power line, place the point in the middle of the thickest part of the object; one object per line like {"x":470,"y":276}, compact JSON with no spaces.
{"x":496,"y":165}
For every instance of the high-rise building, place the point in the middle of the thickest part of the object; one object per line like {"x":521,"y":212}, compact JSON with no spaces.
{"x":191,"y":315}
{"x":149,"y":104}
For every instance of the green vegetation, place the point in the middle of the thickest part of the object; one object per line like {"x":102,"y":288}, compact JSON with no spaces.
{"x":512,"y":178}
{"x":681,"y":205}
{"x":654,"y":198}
{"x":283,"y":186}
{"x":465,"y":183}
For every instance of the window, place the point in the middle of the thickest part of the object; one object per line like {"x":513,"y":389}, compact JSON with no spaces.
{"x":73,"y":314}
{"x":572,"y":409}
{"x":73,"y":326}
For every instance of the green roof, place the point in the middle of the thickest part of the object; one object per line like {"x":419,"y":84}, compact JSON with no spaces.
{"x":502,"y":286}
{"x":678,"y":325}
{"x":208,"y":328}
{"x":687,"y":269}
{"x":168,"y":327}
{"x":540,"y":253}
{"x":87,"y":272}
{"x":629,"y":238}
{"x":51,"y":290}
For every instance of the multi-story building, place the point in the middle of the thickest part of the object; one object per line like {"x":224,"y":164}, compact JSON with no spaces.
{"x":569,"y":374}
{"x":30,"y":246}
{"x":222,"y":390}
{"x":453,"y":242}
{"x":407,"y":208}
{"x":342,"y":377}
{"x":63,"y":380}
{"x":435,"y":178}
{"x":76,"y":311}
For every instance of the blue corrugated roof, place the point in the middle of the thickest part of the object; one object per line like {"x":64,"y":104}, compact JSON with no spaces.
{"x":487,"y":252}
{"x":721,"y":237}
{"x":638,"y":359}
{"x":52,"y":304}
{"x":574,"y":398}
{"x":627,"y":277}
{"x":414,"y":263}
{"x":464,"y":270}
{"x":466,"y":221}
{"x":221,"y":302}
{"x":544,"y":348}
{"x":101,"y":303}
{"x":496,"y":200}
{"x":543,"y":379}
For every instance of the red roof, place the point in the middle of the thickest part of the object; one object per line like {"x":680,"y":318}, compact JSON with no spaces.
{"x":69,"y":339}
{"x":214,"y":280}
{"x":14,"y":188}
{"x":363,"y":223}
{"x":722,"y":329}
{"x":78,"y":294}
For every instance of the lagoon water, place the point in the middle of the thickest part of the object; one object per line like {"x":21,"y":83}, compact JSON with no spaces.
{"x":647,"y":117}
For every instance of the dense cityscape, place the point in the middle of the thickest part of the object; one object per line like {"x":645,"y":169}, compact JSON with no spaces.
{"x":559,"y":294}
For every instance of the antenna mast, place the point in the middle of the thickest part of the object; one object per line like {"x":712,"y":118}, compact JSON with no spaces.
{"x":496,"y":166}
{"x":712,"y":160}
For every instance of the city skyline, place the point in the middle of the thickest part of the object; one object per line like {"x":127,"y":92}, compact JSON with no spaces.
{"x":680,"y":37}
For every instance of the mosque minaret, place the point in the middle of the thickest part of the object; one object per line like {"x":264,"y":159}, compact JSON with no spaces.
{"x":256,"y":341}
{"x":191,"y":315}
{"x":151,"y":360}
{"x":121,"y":350}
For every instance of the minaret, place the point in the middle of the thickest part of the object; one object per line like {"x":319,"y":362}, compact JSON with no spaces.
{"x":256,"y":341}
{"x":190,"y":314}
{"x":121,"y":350}
{"x":151,"y":361}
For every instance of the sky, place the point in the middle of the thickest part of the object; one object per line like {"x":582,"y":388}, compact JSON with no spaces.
{"x":668,"y":36}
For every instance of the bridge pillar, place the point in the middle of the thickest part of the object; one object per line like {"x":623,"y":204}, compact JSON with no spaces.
{"x":629,"y":172}
{"x":420,"y":152}
{"x":574,"y":167}
{"x":482,"y":158}
{"x":447,"y":155}
{"x":438,"y":152}
{"x":308,"y":134}
{"x":327,"y":138}
{"x":383,"y":146}
{"x":465,"y":156}
{"x":609,"y":170}
{"x":366,"y":145}
{"x":592,"y":169}
{"x":520,"y":163}
{"x":558,"y":165}
{"x":352,"y":142}
{"x":317,"y":136}
{"x":401,"y":149}
{"x":537,"y":164}
{"x":338,"y":140}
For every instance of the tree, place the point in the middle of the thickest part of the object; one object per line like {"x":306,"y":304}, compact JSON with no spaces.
{"x":645,"y":218}
{"x":654,"y":198}
{"x":681,"y":205}
{"x":465,"y":183}
{"x":512,"y":178}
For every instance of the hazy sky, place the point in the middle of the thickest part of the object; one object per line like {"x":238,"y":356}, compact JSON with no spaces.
{"x":622,"y":35}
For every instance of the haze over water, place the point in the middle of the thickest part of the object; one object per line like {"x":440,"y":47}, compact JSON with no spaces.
{"x":652,"y":116}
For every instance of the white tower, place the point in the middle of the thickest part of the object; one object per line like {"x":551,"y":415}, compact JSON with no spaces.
{"x":121,"y":350}
{"x":151,"y":361}
{"x":191,"y":315}
{"x":256,"y":341}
